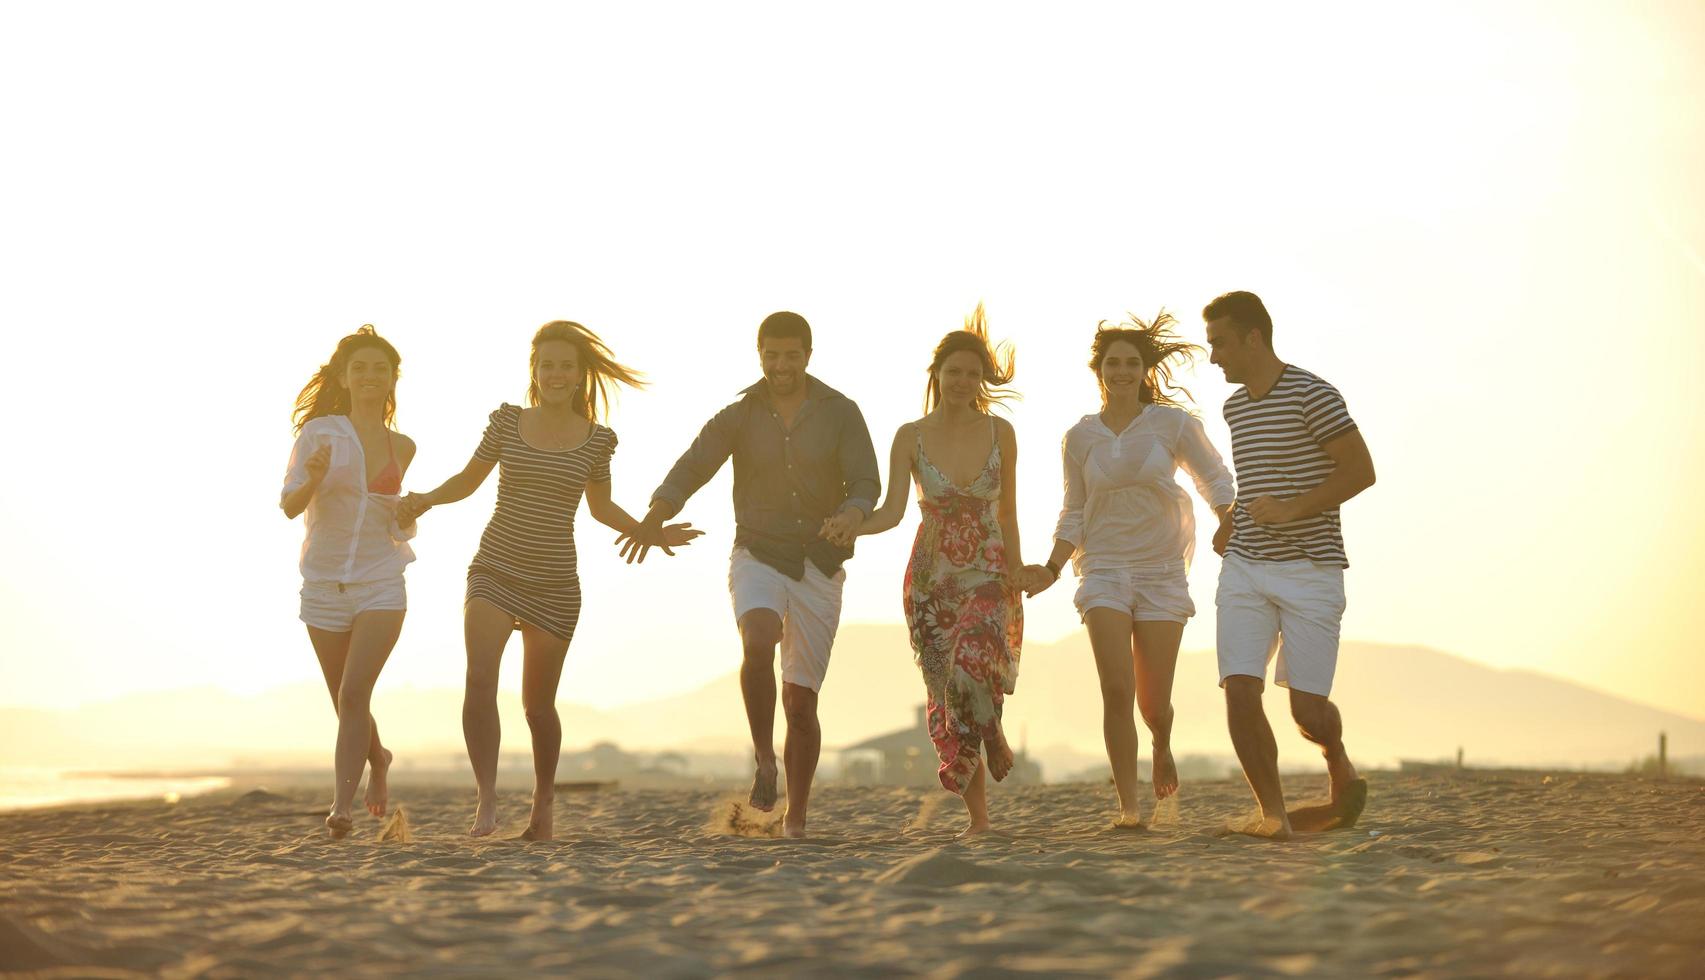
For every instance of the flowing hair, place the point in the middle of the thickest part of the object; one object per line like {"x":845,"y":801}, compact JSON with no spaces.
{"x":997,"y":363}
{"x":599,"y":369}
{"x":324,"y":394}
{"x":1158,"y":345}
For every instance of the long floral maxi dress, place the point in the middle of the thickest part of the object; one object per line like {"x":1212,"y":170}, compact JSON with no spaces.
{"x":966,"y":623}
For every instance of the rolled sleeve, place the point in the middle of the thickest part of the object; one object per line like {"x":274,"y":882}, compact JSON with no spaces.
{"x":1196,"y":453}
{"x":1069,"y":528}
{"x":863,"y":481}
{"x":715,"y":443}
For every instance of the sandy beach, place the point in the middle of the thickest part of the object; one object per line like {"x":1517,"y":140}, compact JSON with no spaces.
{"x":1450,"y":874}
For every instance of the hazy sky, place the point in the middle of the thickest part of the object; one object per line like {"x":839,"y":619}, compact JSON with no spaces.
{"x":1485,"y":226}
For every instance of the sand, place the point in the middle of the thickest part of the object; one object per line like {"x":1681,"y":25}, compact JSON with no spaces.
{"x":1449,"y":874}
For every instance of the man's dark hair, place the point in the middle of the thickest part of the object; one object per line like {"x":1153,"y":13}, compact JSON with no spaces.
{"x":785,"y":324}
{"x":1244,"y":309}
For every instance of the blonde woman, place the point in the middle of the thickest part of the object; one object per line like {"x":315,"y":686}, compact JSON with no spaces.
{"x":525,"y":575}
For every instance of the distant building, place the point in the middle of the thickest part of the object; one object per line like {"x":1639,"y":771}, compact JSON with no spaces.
{"x":907,"y":758}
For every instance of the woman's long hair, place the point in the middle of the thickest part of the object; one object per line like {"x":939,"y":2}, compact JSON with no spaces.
{"x":1159,"y":346}
{"x":324,"y":394}
{"x":997,"y":363}
{"x":599,"y":369}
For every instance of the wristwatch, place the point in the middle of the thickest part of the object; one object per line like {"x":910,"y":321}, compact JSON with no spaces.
{"x":1050,"y":566}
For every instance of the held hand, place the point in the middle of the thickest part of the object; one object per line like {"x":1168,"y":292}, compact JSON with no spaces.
{"x":1222,"y":536}
{"x":842,"y":529}
{"x":1272,"y":510}
{"x":677,"y":536}
{"x":1035,"y":580}
{"x":411,"y":507}
{"x":318,"y":463}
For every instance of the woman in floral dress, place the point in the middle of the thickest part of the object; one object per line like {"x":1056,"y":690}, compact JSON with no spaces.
{"x":963,"y":581}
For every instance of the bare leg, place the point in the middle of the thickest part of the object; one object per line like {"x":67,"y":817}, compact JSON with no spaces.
{"x":804,"y":743}
{"x":370,"y":644}
{"x":1318,"y":720}
{"x":1110,"y":639}
{"x":1252,"y":737}
{"x":760,"y":631}
{"x":977,"y":804}
{"x":999,"y":752}
{"x":332,"y":649}
{"x":1156,"y":646}
{"x":485,"y":630}
{"x":539,"y":676}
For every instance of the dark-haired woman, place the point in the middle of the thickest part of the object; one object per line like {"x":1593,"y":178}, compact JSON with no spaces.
{"x":525,"y":575}
{"x":963,"y":582}
{"x":1127,"y":526}
{"x":345,"y":475}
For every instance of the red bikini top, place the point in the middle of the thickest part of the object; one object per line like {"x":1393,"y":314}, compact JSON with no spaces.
{"x":390,"y":479}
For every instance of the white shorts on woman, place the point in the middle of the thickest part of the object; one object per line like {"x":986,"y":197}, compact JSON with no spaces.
{"x":1146,"y":595}
{"x":333,"y":606}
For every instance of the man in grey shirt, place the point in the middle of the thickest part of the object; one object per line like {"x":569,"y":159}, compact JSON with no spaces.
{"x":805,"y":477}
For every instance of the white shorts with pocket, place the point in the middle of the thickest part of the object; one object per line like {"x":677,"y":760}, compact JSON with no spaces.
{"x":810,"y":611}
{"x":1291,"y":609}
{"x":1145,"y":595}
{"x":333,"y":606}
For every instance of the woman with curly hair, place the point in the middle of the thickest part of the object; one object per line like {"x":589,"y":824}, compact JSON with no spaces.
{"x":525,"y":575}
{"x":962,"y":586}
{"x":345,"y":474}
{"x":1128,"y":529}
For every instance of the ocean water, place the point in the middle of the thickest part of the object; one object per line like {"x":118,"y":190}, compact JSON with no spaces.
{"x":23,"y":788}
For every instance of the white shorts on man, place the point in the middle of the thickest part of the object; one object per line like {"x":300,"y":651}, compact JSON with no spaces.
{"x":810,"y":611}
{"x":1288,"y":611}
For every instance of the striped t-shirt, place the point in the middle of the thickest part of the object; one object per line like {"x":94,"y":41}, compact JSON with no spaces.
{"x":1276,"y":447}
{"x":531,"y":535}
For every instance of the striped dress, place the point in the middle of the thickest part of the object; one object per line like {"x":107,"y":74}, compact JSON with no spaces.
{"x":526,"y":563}
{"x":1277,"y":447}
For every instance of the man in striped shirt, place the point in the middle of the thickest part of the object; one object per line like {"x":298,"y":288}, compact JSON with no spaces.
{"x":1298,"y":456}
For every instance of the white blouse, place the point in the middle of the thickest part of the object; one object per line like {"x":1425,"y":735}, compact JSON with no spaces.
{"x":1123,"y":508}
{"x":352,"y":533}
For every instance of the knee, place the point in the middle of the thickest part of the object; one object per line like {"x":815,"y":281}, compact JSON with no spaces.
{"x":1119,"y":695}
{"x":540,"y":716}
{"x":1243,"y":693}
{"x":799,"y":706}
{"x":1312,"y":714}
{"x":758,"y":648}
{"x":481,"y":682}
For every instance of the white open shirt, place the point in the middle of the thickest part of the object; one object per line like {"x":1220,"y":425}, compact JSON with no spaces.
{"x":352,"y":534}
{"x":1123,"y":508}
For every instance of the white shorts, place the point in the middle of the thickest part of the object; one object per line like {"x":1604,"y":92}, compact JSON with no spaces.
{"x":810,"y":612}
{"x":1289,"y":608}
{"x":333,"y":606}
{"x":1144,"y":595}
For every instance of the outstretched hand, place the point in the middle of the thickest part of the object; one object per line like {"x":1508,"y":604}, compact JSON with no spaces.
{"x":678,"y":535}
{"x":637,"y":543}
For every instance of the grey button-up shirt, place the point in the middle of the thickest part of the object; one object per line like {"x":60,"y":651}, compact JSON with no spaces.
{"x":787,"y":482}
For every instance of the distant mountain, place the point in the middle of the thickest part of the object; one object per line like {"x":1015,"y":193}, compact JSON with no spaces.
{"x":1397,"y":702}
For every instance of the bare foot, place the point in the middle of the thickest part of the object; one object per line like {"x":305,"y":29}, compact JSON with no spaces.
{"x":1165,"y":773}
{"x":1000,"y":759}
{"x":1127,"y":821}
{"x":1270,"y":828}
{"x":791,"y":829}
{"x":1339,"y":813}
{"x":977,"y":829}
{"x":539,"y":826}
{"x":764,"y":787}
{"x":339,"y":824}
{"x":378,"y":789}
{"x":485,"y":818}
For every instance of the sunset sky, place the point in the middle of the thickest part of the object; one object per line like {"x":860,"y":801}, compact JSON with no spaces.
{"x":1485,"y":226}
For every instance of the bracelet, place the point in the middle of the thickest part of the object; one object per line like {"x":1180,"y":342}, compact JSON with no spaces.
{"x":1050,"y":566}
